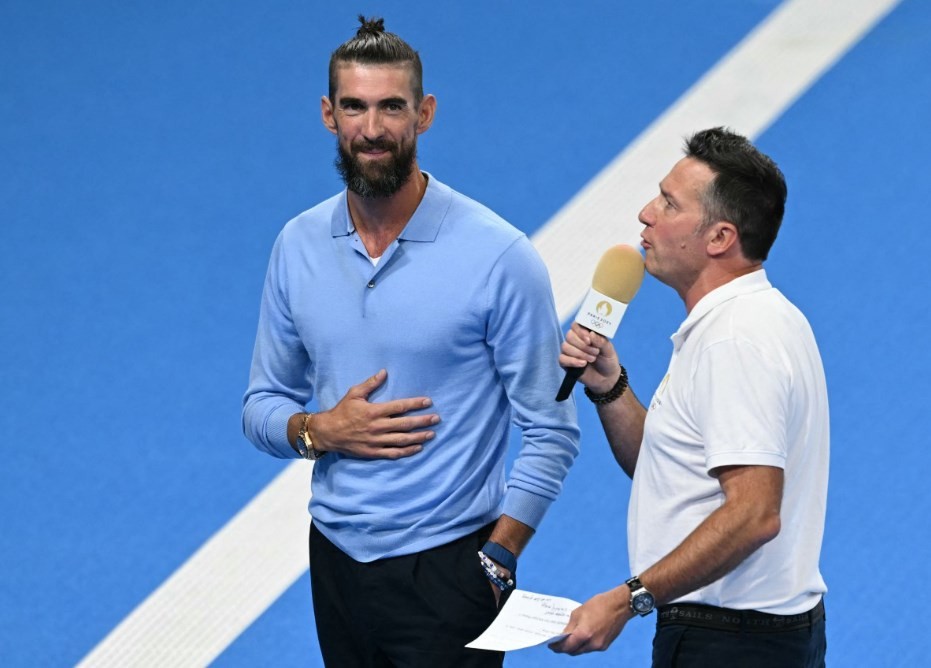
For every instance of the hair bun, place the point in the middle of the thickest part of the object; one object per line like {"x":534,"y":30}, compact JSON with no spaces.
{"x":373,"y":26}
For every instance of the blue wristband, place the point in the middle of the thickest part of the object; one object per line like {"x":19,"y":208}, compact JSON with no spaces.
{"x":500,"y":554}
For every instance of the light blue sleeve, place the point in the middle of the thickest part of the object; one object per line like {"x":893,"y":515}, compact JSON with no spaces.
{"x":279,"y":384}
{"x":525,"y":336}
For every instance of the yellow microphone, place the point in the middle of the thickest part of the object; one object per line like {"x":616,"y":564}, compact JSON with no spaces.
{"x":617,"y":278}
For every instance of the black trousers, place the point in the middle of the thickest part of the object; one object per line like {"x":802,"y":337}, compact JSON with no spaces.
{"x":689,"y":646}
{"x":413,"y":611}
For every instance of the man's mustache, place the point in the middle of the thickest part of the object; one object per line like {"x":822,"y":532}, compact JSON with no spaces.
{"x":376,"y":145}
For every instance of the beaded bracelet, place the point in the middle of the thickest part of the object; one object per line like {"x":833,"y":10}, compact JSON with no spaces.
{"x":492,"y":572}
{"x":612,"y":394}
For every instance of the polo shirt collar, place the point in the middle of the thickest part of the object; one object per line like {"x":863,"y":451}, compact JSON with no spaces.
{"x":755,"y":281}
{"x":424,"y":225}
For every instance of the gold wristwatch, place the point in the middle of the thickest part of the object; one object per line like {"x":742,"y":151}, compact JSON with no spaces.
{"x":305,"y":446}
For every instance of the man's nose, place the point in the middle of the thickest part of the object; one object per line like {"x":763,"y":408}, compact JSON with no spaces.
{"x":373,"y":127}
{"x":646,"y":213}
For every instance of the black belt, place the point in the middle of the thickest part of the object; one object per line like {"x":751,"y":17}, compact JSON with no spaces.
{"x":725,"y":619}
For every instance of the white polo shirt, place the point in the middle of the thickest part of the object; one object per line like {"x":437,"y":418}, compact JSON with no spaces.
{"x":745,"y":386}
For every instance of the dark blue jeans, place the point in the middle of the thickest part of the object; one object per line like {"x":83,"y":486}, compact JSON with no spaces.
{"x":686,"y":646}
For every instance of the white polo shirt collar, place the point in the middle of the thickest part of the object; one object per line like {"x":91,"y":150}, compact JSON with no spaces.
{"x":752,"y":282}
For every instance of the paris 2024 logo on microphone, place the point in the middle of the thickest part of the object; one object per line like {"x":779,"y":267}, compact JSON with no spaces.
{"x":599,"y":316}
{"x":600,"y":313}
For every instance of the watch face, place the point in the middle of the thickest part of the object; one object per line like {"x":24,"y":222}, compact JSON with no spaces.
{"x":643,"y":602}
{"x":301,"y":448}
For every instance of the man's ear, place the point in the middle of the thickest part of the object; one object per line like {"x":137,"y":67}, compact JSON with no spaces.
{"x":425,"y":113}
{"x":722,"y":238}
{"x":326,"y":114}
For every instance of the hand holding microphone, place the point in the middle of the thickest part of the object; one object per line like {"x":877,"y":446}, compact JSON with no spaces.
{"x":617,"y":278}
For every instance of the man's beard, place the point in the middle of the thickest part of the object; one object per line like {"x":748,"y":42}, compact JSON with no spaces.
{"x":376,"y":179}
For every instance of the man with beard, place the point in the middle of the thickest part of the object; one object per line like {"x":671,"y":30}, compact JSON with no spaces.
{"x":424,"y":325}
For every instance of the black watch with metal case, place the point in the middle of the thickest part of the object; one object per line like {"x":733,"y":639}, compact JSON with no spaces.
{"x":641,"y":600}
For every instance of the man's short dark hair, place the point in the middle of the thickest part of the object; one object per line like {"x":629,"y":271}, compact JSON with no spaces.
{"x":372,"y":45}
{"x":748,"y":190}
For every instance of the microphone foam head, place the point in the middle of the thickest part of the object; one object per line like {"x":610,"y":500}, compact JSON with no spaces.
{"x":619,"y":273}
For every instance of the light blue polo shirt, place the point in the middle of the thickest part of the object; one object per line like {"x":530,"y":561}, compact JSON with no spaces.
{"x":459,"y":309}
